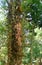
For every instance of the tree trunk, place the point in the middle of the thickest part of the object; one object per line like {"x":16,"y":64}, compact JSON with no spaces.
{"x":14,"y":34}
{"x":40,"y":62}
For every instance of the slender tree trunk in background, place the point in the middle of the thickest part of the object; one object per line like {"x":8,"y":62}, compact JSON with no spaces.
{"x":40,"y":63}
{"x":31,"y":55}
{"x":14,"y":34}
{"x":31,"y":50}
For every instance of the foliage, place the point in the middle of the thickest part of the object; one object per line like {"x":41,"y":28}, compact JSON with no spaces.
{"x":32,"y":31}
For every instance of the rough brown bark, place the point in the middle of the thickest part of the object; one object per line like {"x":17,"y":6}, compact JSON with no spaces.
{"x":14,"y":34}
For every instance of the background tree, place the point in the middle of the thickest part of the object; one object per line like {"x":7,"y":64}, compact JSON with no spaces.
{"x":25,"y":16}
